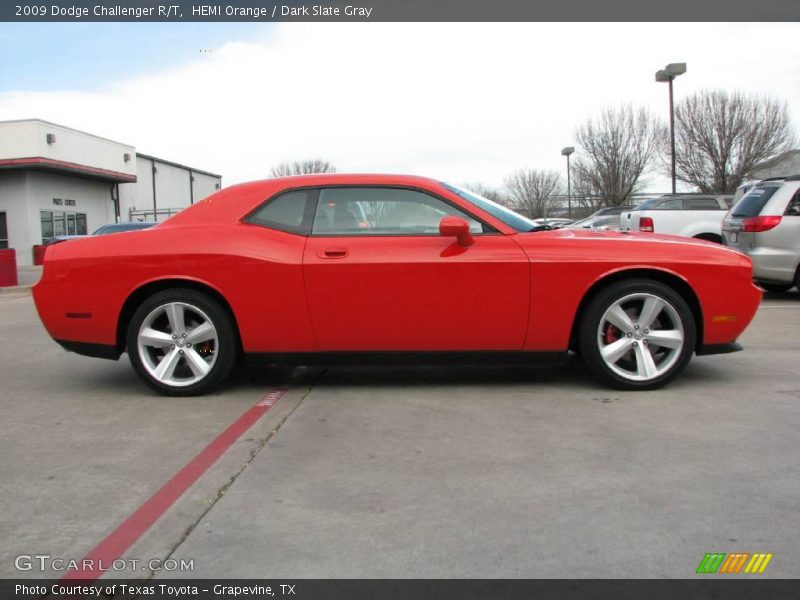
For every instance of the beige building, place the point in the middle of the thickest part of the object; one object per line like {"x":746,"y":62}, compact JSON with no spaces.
{"x":55,"y":180}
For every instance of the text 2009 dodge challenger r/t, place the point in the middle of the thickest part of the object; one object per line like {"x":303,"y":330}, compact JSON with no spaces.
{"x":329,"y":267}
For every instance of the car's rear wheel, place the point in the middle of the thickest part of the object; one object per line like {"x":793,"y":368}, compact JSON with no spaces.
{"x":776,"y":288}
{"x":182,"y":342}
{"x":637,"y":334}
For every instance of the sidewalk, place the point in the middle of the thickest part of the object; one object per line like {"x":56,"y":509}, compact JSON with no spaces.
{"x":27,"y":278}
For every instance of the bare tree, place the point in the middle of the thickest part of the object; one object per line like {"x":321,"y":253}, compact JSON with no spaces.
{"x":584,"y":194}
{"x":533,"y":191}
{"x":489,"y":192}
{"x":720,"y":137}
{"x":302,"y":167}
{"x":615,"y":150}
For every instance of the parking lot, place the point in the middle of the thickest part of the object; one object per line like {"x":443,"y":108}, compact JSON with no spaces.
{"x":408,"y":472}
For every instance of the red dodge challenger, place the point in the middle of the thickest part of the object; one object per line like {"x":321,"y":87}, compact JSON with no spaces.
{"x":325,"y":268}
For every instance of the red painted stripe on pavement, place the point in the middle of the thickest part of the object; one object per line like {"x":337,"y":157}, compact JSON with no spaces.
{"x":95,"y":564}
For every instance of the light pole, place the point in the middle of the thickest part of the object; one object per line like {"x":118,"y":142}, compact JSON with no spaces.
{"x":668,"y":73}
{"x":566,"y":152}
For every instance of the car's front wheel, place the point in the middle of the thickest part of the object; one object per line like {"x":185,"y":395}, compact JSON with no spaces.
{"x":637,"y":334}
{"x":182,"y":342}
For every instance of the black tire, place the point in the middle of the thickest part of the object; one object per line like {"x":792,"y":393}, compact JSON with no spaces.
{"x":633,"y":292}
{"x":221,"y":352}
{"x":776,"y":288}
{"x":709,"y":237}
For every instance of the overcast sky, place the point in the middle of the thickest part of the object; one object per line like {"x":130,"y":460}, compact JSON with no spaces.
{"x":460,"y":102}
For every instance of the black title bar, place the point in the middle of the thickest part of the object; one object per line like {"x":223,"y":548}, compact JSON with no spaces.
{"x":398,"y":10}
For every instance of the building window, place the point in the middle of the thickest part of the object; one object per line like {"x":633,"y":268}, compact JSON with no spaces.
{"x":46,"y":217}
{"x":56,"y":222}
{"x":3,"y":231}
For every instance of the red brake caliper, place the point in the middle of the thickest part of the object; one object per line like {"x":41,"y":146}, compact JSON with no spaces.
{"x":611,"y":334}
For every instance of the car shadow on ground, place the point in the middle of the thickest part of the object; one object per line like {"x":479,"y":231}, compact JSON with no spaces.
{"x":260,"y":379}
{"x":570,"y":372}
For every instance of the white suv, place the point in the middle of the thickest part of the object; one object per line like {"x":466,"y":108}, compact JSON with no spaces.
{"x":765,"y":225}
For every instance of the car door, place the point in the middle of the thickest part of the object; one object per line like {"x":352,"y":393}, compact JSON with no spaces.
{"x":379,"y":276}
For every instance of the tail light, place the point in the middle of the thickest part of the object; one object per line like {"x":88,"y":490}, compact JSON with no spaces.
{"x":646,"y":224}
{"x":758,"y":224}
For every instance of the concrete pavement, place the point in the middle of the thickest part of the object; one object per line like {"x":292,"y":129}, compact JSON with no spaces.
{"x":411,"y":472}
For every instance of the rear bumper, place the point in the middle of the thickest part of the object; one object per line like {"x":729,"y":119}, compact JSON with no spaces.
{"x":719,"y":349}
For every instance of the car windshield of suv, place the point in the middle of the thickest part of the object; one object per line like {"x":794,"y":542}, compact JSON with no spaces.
{"x":506,"y":215}
{"x":753,"y":201}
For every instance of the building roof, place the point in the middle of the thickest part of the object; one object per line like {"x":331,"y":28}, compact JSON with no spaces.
{"x":38,"y":145}
{"x":39,"y":163}
{"x":785,"y":163}
{"x":64,"y":127}
{"x":84,"y":154}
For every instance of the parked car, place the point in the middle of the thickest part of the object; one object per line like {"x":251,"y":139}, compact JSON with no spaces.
{"x":120,"y":227}
{"x":103,"y":230}
{"x":436,"y":274}
{"x":690,"y":215}
{"x":765,"y":225}
{"x":553,"y":223}
{"x":606,"y":218}
{"x":57,"y":239}
{"x":604,"y":222}
{"x":607,"y":211}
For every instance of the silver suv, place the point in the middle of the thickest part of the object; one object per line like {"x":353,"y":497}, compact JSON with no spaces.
{"x":765,"y":225}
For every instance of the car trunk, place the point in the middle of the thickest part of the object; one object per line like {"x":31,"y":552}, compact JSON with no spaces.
{"x":733,"y":236}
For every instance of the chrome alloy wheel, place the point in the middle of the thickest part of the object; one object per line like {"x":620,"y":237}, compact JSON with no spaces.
{"x":178,"y":344}
{"x":640,"y":337}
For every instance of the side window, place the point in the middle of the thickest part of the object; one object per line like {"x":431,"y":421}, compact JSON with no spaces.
{"x":289,"y":212}
{"x":382,"y":211}
{"x":702,"y":204}
{"x":793,"y":208}
{"x":671,"y":204}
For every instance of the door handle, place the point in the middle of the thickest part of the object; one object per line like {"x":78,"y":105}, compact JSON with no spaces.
{"x":332,"y":253}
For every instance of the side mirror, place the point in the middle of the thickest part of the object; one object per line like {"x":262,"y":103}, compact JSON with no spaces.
{"x":458,"y":228}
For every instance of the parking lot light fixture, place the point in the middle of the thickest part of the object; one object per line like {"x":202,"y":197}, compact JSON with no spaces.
{"x":566,"y":152}
{"x":667,"y":75}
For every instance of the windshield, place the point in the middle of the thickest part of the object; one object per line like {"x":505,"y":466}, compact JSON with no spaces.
{"x":506,"y":215}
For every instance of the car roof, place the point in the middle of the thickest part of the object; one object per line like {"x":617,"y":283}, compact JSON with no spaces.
{"x":243,"y":197}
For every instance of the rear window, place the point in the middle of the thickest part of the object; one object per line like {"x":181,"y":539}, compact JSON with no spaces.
{"x":291,"y":212}
{"x":752,"y":203}
{"x":647,"y":204}
{"x":671,"y":204}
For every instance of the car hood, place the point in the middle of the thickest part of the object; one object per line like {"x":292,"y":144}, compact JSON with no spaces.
{"x":625,"y":246}
{"x":626,"y":236}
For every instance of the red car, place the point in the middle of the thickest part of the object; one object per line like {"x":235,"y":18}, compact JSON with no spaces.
{"x":354,"y":267}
